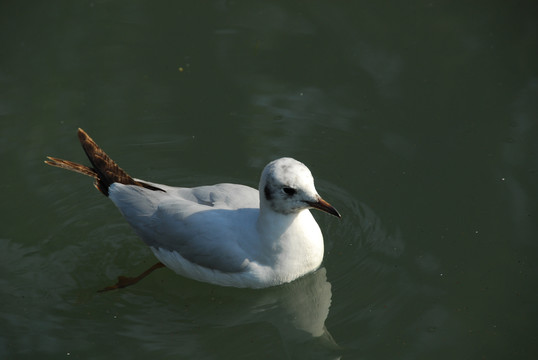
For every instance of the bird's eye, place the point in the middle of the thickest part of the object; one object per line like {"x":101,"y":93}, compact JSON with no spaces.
{"x":289,"y":191}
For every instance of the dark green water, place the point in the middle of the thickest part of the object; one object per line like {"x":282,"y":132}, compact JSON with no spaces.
{"x":419,"y":122}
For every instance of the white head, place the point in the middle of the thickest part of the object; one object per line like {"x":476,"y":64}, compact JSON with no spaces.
{"x":287,"y":186}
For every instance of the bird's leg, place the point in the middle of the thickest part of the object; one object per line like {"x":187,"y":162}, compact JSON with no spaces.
{"x":124,"y":281}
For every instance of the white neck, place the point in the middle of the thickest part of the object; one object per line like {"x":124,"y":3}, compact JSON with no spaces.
{"x":290,"y":243}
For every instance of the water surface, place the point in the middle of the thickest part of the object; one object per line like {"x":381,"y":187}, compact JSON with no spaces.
{"x":418,"y":122}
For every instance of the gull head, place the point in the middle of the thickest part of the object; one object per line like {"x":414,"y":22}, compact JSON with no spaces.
{"x":287,"y":187}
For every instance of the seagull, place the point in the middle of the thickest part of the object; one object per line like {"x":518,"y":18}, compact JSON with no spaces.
{"x":223,"y":234}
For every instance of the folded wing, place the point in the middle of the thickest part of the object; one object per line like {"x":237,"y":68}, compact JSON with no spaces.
{"x":205,"y":225}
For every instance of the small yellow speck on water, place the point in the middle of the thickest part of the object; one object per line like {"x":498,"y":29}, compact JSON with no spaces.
{"x":180,"y":69}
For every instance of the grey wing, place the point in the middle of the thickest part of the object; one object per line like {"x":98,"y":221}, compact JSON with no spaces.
{"x":227,"y":196}
{"x":212,"y":226}
{"x":213,"y":238}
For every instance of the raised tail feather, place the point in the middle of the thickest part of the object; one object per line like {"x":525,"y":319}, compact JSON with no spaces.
{"x":104,"y":170}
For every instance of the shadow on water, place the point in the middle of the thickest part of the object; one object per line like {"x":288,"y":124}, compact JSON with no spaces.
{"x":165,"y":314}
{"x":286,"y":321}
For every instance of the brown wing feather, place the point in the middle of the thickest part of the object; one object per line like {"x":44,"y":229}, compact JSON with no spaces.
{"x":69,"y":165}
{"x":108,"y":172}
{"x":105,"y":171}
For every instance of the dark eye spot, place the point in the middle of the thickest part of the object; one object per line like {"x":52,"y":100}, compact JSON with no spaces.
{"x":289,"y":191}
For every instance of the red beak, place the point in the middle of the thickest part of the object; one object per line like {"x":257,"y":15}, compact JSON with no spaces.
{"x":325,"y":206}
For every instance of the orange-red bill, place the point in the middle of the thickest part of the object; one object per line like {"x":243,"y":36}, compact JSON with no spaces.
{"x":325,"y":206}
